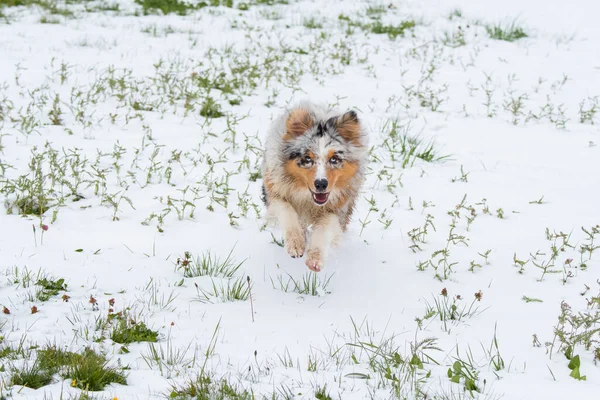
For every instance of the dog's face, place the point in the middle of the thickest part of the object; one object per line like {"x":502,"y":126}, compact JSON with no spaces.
{"x":321,"y":157}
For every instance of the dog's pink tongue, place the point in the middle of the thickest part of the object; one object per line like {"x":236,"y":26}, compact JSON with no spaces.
{"x":321,"y":197}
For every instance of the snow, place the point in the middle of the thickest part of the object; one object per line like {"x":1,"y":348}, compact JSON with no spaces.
{"x":375,"y":287}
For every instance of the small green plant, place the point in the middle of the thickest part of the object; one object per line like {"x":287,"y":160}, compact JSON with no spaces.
{"x":509,"y":32}
{"x":312,"y":23}
{"x":230,"y":290}
{"x":451,"y":310}
{"x":465,"y":372}
{"x":493,"y":353}
{"x":208,"y":264}
{"x":211,"y":109}
{"x":169,"y":6}
{"x":464,"y":176}
{"x":393,"y":31}
{"x":310,"y":284}
{"x":375,"y":11}
{"x":577,"y":330}
{"x":126,"y":330}
{"x":538,"y":201}
{"x":49,"y":288}
{"x":528,"y":299}
{"x":321,"y":393}
{"x":206,"y":387}
{"x":574,"y":365}
{"x":405,"y":148}
{"x":588,"y":108}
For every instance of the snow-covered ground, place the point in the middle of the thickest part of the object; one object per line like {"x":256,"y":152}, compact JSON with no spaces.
{"x":140,"y":138}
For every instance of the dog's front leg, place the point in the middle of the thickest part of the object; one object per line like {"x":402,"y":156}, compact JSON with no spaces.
{"x":295,"y":238}
{"x":325,"y":233}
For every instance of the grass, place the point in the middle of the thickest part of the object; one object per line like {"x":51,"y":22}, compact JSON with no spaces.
{"x":376,"y":11}
{"x":378,"y":28}
{"x":211,"y":109}
{"x":52,"y":358}
{"x":507,"y":32}
{"x":169,"y":6}
{"x":311,"y":284}
{"x":209,"y":173}
{"x":393,"y":31}
{"x":312,"y":23}
{"x":205,"y":388}
{"x":321,"y":393}
{"x":33,"y":377}
{"x":208,"y":264}
{"x":401,"y":146}
{"x":91,"y":372}
{"x":230,"y":290}
{"x":88,"y":370}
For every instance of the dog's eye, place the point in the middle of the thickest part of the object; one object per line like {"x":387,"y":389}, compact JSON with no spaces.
{"x":335,"y":160}
{"x":306,"y":161}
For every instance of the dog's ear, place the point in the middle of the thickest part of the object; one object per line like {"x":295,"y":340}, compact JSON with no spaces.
{"x":298,"y":122}
{"x":348,"y":126}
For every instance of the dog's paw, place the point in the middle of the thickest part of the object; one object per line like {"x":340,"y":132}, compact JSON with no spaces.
{"x":314,"y":260}
{"x":295,"y":243}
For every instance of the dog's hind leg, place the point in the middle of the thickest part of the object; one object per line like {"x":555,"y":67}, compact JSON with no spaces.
{"x":287,"y":217}
{"x":326,"y":232}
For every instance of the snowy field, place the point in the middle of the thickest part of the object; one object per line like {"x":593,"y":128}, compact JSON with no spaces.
{"x":134,"y":258}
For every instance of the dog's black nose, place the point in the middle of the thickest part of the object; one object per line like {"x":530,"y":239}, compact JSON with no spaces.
{"x":321,"y":184}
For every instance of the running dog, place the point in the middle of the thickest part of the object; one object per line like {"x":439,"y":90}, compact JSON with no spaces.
{"x":313,"y":168}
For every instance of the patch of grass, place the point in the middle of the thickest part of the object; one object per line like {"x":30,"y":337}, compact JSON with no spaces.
{"x":405,"y":148}
{"x":208,"y":264}
{"x":465,"y":371}
{"x":321,"y":393}
{"x":269,"y":2}
{"x":49,"y":20}
{"x":376,"y":11}
{"x":451,"y":310}
{"x":204,"y":388}
{"x":48,"y":362}
{"x":91,"y":372}
{"x":310,"y":284}
{"x":236,"y":290}
{"x":312,"y":23}
{"x":13,"y":3}
{"x":127,"y":331}
{"x":455,"y":13}
{"x":88,"y":370}
{"x":393,"y":31}
{"x":53,"y":358}
{"x":527,"y":299}
{"x":508,"y":33}
{"x":211,"y":109}
{"x":378,"y":28}
{"x":49,"y":288}
{"x":13,"y":352}
{"x":169,"y":6}
{"x":33,"y":377}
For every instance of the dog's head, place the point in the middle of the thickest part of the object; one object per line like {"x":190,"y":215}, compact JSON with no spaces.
{"x":322,"y":156}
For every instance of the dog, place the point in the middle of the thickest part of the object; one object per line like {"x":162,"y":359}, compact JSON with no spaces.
{"x":314,"y":165}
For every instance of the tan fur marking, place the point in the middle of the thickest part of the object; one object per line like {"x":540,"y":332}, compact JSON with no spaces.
{"x":297,"y":123}
{"x":302,"y":178}
{"x":348,"y":126}
{"x":341,"y":177}
{"x":268,"y":184}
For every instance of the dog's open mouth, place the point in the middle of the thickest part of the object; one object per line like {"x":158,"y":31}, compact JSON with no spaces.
{"x":320,"y":198}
